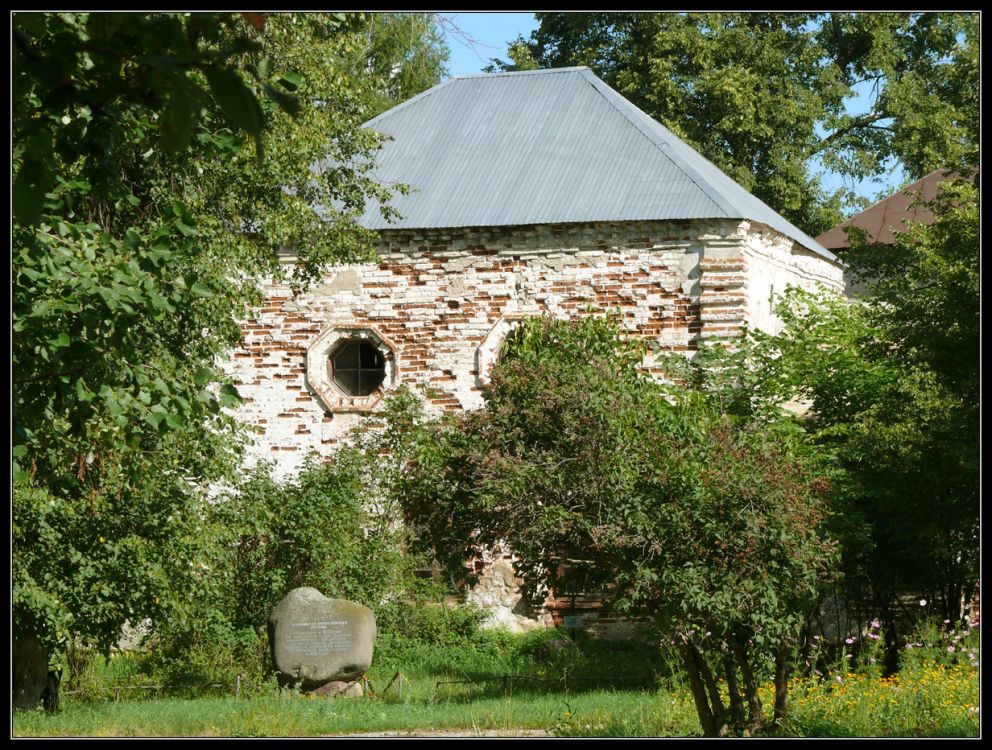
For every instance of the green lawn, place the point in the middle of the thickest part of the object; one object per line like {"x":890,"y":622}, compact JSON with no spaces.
{"x":300,"y":716}
{"x":933,"y":701}
{"x":459,"y":685}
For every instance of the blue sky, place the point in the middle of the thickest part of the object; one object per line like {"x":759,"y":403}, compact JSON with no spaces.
{"x":489,"y":33}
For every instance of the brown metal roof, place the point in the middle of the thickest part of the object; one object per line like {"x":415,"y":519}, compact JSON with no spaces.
{"x":889,"y":215}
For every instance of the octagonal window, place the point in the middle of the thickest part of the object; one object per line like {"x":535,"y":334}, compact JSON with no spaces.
{"x":350,"y":368}
{"x":357,"y":367}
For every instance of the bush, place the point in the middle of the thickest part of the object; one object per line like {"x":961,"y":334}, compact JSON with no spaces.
{"x":599,"y":482}
{"x":331,"y":528}
{"x":428,"y":639}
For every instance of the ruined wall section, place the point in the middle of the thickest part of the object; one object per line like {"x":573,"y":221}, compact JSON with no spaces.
{"x":437,"y":296}
{"x":775,"y":262}
{"x":445,"y":299}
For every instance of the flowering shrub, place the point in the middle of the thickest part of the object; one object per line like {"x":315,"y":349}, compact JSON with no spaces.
{"x":940,"y":643}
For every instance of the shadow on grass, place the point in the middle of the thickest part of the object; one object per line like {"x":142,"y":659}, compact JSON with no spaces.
{"x":468,"y":689}
{"x":548,"y":662}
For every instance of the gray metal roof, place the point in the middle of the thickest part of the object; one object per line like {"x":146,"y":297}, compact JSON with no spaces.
{"x":547,"y":147}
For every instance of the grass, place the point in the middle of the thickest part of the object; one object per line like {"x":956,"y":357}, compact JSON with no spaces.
{"x":935,"y":694}
{"x":940,"y":701}
{"x":299,"y":716}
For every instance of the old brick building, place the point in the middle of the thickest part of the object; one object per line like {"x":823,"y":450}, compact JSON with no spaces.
{"x":541,"y":192}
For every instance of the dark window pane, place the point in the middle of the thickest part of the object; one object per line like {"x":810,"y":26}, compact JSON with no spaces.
{"x":358,"y":368}
{"x":347,"y":381}
{"x":370,"y":381}
{"x":372,"y":358}
{"x":348,"y":357}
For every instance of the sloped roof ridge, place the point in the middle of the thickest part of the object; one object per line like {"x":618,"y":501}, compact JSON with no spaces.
{"x":540,"y":71}
{"x":669,"y":143}
{"x":624,"y":107}
{"x":912,"y":187}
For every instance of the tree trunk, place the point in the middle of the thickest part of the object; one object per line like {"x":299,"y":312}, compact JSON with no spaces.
{"x":716,"y":703}
{"x":781,"y":685}
{"x":736,"y":701}
{"x":756,"y":715}
{"x":30,"y":676}
{"x":51,"y":698}
{"x":890,"y":660}
{"x":703,"y":711}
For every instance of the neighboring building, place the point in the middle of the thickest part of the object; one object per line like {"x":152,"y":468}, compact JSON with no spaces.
{"x":541,"y":192}
{"x":881,"y":221}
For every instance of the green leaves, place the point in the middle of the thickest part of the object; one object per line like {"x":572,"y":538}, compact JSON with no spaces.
{"x":34,"y":179}
{"x":578,"y":458}
{"x":289,"y":104}
{"x":229,"y":396}
{"x":291,"y":81}
{"x":597,"y":483}
{"x":313,"y":529}
{"x":155,"y":416}
{"x":237,"y":102}
{"x":892,"y":390}
{"x":178,"y":120}
{"x":203,"y":375}
{"x":60,"y":341}
{"x":141,"y":227}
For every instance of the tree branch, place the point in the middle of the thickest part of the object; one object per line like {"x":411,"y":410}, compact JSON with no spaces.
{"x":698,"y":689}
{"x":46,"y":375}
{"x":755,"y":712}
{"x":861,"y":122}
{"x":781,"y":684}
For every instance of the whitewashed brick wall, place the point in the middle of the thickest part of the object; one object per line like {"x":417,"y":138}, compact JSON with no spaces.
{"x":775,"y":262}
{"x":437,"y":296}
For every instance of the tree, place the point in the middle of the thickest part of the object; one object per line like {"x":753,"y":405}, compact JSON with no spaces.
{"x":598,"y":483}
{"x":892,"y":385}
{"x":922,"y":429}
{"x":761,"y":94}
{"x":161,"y":161}
{"x":402,"y":54}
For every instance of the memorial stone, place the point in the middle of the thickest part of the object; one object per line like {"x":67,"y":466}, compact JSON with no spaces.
{"x":315,"y":640}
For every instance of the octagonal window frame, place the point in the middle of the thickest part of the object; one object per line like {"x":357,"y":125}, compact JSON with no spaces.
{"x":320,"y":372}
{"x":362,"y":369}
